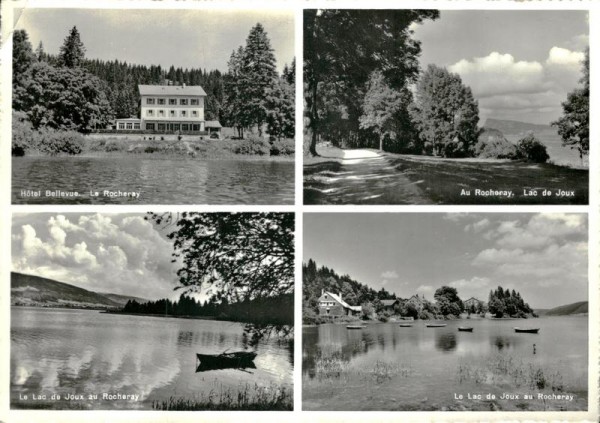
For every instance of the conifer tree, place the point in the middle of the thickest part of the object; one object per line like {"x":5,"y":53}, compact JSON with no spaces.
{"x":72,"y":52}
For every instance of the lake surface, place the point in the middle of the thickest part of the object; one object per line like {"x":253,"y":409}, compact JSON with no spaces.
{"x":61,"y":351}
{"x":386,"y":367}
{"x":158,"y":180}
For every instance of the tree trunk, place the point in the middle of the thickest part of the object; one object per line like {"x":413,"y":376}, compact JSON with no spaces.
{"x":313,"y":121}
{"x":381,"y":142}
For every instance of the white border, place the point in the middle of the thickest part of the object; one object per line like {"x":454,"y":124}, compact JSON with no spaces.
{"x":593,"y":210}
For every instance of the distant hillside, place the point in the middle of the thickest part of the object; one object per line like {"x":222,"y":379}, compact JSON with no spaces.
{"x":580,"y":307}
{"x":512,"y":127}
{"x":42,"y":292}
{"x":122,"y":299}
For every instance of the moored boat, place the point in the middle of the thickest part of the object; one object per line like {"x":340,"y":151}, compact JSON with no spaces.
{"x":528,"y":330}
{"x":405,"y":325}
{"x":465,"y":329}
{"x":435,"y":325}
{"x":355,"y":327}
{"x":233,"y":360}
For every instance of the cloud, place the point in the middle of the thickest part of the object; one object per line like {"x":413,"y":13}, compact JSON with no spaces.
{"x":477,"y":226}
{"x":103,"y":253}
{"x":425,"y":289}
{"x":390,"y":274}
{"x":474,"y":287}
{"x":564,"y":57}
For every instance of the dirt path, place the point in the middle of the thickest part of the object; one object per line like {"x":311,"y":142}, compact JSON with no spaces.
{"x":359,"y":177}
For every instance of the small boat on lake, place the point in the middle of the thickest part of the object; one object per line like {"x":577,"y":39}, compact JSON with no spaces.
{"x":355,"y":327}
{"x":405,"y":325}
{"x":435,"y":325}
{"x":233,"y":360}
{"x":465,"y":329}
{"x":530,"y":330}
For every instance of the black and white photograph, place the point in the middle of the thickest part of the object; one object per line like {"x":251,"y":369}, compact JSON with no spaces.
{"x":148,"y":106}
{"x":445,"y":312}
{"x":446,"y":106}
{"x":156,"y":311}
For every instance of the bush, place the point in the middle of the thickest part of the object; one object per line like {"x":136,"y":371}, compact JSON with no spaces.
{"x":23,"y":135}
{"x":532,"y":150}
{"x":60,"y":142}
{"x":252,"y":145}
{"x":284,"y":147}
{"x":491,"y":144}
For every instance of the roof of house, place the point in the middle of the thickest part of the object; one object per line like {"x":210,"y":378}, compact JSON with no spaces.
{"x":171,"y":90}
{"x":127,"y":120}
{"x":388,"y":303}
{"x":342,"y":302}
{"x":212,"y":124}
{"x":472,"y":298}
{"x":416,"y":296}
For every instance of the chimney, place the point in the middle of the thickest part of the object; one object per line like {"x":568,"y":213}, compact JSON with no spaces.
{"x":322,"y":291}
{"x":340,"y":294}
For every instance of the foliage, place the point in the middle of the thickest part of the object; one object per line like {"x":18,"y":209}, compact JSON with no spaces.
{"x":237,"y":255}
{"x":491,"y":144}
{"x":285,"y":147}
{"x":25,"y":139}
{"x":63,"y":98}
{"x":504,"y":302}
{"x":280,"y":105}
{"x":380,"y":105}
{"x":72,"y":52}
{"x":445,"y":113}
{"x":252,"y":145}
{"x":23,"y":135}
{"x":342,"y":48}
{"x":22,"y":57}
{"x":448,"y":301}
{"x":531,"y":149}
{"x":574,"y":125}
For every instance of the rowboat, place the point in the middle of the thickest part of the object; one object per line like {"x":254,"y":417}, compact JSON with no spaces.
{"x":435,"y":325}
{"x":405,"y":325}
{"x":233,"y":360}
{"x":522,"y":330}
{"x":465,"y":329}
{"x":355,"y":327}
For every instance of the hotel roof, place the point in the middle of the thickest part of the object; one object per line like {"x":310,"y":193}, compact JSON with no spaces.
{"x":171,"y":90}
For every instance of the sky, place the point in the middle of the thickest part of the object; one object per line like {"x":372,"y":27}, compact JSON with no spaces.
{"x":519,"y":64}
{"x":102,"y":252}
{"x":542,"y":256}
{"x":182,"y":38}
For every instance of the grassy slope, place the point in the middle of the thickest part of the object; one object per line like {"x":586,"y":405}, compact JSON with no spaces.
{"x":567,"y":310}
{"x":122,"y":299}
{"x":37,"y":290}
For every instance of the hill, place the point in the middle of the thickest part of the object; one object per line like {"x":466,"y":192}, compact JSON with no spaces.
{"x":580,"y":307}
{"x":42,"y":292}
{"x":122,"y":299}
{"x":514,"y":127}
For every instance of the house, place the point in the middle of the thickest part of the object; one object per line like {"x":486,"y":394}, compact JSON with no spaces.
{"x":169,"y":109}
{"x":417,"y":302}
{"x":472,"y":304}
{"x":333,"y":305}
{"x":388,"y":305}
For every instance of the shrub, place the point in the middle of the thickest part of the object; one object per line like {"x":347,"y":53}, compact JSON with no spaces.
{"x":284,"y":147}
{"x":57,"y":142}
{"x":23,"y":135}
{"x":252,"y":145}
{"x":491,"y":144}
{"x":532,"y":150}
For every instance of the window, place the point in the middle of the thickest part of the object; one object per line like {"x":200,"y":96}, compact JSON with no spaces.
{"x":175,"y":127}
{"x":183,"y":113}
{"x":150,"y":126}
{"x":172,"y":102}
{"x":161,"y":126}
{"x":183,"y":102}
{"x":136,"y":125}
{"x":195,"y":127}
{"x":129,"y":125}
{"x":121,"y":125}
{"x":161,"y":113}
{"x":194,"y":113}
{"x":160,"y":101}
{"x":184,"y":127}
{"x":149,"y":101}
{"x":149,"y":112}
{"x":172,"y":113}
{"x":194,"y":101}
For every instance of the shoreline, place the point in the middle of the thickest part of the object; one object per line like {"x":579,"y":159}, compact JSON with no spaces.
{"x":161,"y":156}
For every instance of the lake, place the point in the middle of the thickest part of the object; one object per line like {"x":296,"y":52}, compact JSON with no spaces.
{"x":158,"y":180}
{"x":83,"y":352}
{"x":386,"y":367}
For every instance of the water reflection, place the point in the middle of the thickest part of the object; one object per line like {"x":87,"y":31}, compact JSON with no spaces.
{"x":445,"y":341}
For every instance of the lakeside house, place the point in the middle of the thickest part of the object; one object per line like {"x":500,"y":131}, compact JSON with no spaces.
{"x":472,"y":304}
{"x":388,"y":305}
{"x":170,"y":109}
{"x":333,"y":305}
{"x":417,"y":302}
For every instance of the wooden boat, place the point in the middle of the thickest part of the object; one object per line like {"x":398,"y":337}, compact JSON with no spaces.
{"x":233,"y":360}
{"x":355,"y":327}
{"x":465,"y":329}
{"x":435,"y":325}
{"x":523,"y":330}
{"x":405,"y":325}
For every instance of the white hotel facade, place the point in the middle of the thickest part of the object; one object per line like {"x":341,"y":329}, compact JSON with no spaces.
{"x":170,"y":108}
